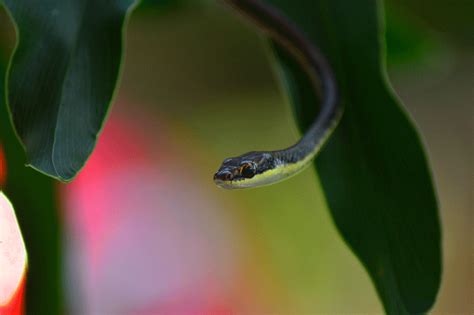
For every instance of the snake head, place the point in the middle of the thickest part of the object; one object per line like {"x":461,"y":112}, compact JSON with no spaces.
{"x":241,"y":171}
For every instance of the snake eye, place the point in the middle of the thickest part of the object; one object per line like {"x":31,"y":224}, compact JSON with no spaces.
{"x":248,"y":171}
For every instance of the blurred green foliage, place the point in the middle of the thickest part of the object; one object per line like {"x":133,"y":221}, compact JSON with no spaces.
{"x":451,"y":18}
{"x":405,"y":42}
{"x":34,"y":198}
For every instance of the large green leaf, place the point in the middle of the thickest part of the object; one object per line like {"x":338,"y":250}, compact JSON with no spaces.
{"x":373,"y":170}
{"x":62,"y":76}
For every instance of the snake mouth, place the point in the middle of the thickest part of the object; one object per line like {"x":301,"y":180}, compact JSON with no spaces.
{"x":227,"y":180}
{"x":223,"y":179}
{"x":231,"y":184}
{"x":223,"y":184}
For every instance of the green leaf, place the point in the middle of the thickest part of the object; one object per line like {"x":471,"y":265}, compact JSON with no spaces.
{"x":62,"y":77}
{"x":34,"y":198}
{"x":373,"y":170}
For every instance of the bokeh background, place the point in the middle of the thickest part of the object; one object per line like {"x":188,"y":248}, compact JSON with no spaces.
{"x":147,"y":232}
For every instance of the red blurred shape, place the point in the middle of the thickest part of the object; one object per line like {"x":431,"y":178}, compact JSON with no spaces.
{"x":3,"y":167}
{"x":16,"y":305}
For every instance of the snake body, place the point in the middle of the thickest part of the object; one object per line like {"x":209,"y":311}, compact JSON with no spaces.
{"x":259,"y":168}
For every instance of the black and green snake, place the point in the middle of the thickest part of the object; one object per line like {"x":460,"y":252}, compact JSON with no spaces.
{"x":259,"y":168}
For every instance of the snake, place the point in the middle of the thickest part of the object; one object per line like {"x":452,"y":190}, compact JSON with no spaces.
{"x":259,"y":168}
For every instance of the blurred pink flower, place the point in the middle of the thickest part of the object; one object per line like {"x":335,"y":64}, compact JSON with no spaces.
{"x":146,"y":237}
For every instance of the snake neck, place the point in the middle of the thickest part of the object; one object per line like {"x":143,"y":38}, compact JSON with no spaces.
{"x":293,"y":40}
{"x":313,"y":140}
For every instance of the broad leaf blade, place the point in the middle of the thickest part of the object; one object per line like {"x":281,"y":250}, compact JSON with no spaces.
{"x":62,"y":77}
{"x":373,"y":170}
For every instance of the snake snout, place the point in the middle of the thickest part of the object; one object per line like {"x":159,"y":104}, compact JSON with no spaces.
{"x":223,"y":176}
